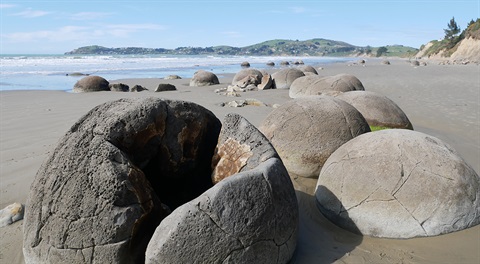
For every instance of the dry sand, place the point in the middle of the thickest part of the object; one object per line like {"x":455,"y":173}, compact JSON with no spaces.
{"x":443,"y":101}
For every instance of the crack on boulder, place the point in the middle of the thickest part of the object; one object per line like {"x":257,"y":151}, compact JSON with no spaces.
{"x":396,"y":190}
{"x":413,"y":217}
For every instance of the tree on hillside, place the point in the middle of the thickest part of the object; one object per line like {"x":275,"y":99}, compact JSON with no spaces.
{"x":381,"y":51}
{"x":452,"y":30}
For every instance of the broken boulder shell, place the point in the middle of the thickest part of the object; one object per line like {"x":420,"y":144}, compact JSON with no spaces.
{"x":125,"y":165}
{"x":249,"y":216}
{"x":246,"y":77}
{"x":305,"y":131}
{"x":398,"y":183}
{"x":114,"y":176}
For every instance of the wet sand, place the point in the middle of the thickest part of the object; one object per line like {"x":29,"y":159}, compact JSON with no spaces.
{"x":440,"y":100}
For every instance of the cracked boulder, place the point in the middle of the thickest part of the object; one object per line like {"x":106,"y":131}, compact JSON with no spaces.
{"x":305,"y":131}
{"x":282,"y":79}
{"x":317,"y":85}
{"x":398,"y":183}
{"x":114,"y":176}
{"x":377,"y":109}
{"x":247,"y":77}
{"x":249,"y":216}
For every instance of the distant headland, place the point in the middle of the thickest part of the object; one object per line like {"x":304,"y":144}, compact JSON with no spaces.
{"x":278,"y":47}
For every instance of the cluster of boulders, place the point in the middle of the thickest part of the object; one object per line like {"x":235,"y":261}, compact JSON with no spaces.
{"x":160,"y":181}
{"x":98,"y":84}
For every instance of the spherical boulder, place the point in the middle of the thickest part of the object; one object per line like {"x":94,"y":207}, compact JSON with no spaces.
{"x":245,"y":64}
{"x":282,"y":79}
{"x":249,"y":216}
{"x":114,"y":176}
{"x":308,"y":68}
{"x":91,"y":84}
{"x":305,"y":131}
{"x":377,"y":109}
{"x":246,"y":77}
{"x":271,"y":63}
{"x":204,"y":78}
{"x":317,"y":85}
{"x":398,"y":183}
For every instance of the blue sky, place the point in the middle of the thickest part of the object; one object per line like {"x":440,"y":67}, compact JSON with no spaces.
{"x":55,"y":27}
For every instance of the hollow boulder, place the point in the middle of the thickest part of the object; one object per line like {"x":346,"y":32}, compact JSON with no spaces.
{"x":91,"y":84}
{"x":377,"y":109}
{"x":204,"y":78}
{"x":305,"y":131}
{"x":249,"y":216}
{"x":114,"y":176}
{"x":247,"y":77}
{"x":398,"y":183}
{"x":282,"y":79}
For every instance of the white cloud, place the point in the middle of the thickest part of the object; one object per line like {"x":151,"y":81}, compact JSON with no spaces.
{"x":89,"y":15}
{"x":29,"y":13}
{"x":2,"y":6}
{"x":124,"y":30}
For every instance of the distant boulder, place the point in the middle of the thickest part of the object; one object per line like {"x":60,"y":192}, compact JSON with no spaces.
{"x":307,"y":68}
{"x":271,"y":63}
{"x":377,"y":109}
{"x":172,"y":77}
{"x":398,"y":183}
{"x":138,"y":88}
{"x":282,"y":79}
{"x":204,"y":78}
{"x":386,"y":62}
{"x":91,"y":84}
{"x":298,"y":62}
{"x":162,"y":87}
{"x":284,"y":63}
{"x":245,"y":64}
{"x":119,"y":87}
{"x":317,"y":85}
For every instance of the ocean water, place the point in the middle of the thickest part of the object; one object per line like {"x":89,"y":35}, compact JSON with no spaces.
{"x":49,"y":72}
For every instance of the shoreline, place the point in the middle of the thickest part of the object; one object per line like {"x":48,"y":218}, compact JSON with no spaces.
{"x":443,"y":101}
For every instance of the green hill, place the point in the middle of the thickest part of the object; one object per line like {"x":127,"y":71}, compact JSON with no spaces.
{"x":277,"y":47}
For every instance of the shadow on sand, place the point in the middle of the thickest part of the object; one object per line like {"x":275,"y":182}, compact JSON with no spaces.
{"x":319,"y":240}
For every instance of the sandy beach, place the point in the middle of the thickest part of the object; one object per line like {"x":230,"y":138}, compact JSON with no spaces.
{"x":440,"y":100}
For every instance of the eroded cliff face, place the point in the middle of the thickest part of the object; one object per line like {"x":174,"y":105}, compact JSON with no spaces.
{"x":468,"y":50}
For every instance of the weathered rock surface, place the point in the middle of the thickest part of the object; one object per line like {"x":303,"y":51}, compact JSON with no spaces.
{"x":113,"y":177}
{"x":119,"y":87}
{"x":162,"y":87}
{"x":305,"y":131}
{"x":204,"y":78}
{"x":282,"y":79}
{"x":247,"y":77}
{"x":308,"y":68}
{"x":317,"y":85}
{"x":138,"y":88}
{"x":250,"y":216}
{"x":91,"y":84}
{"x":11,"y":214}
{"x":377,"y":109}
{"x":398,"y":183}
{"x":266,"y":82}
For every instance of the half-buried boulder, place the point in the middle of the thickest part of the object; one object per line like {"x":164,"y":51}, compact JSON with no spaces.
{"x":91,"y":84}
{"x":119,"y":87}
{"x":317,"y":85}
{"x":398,"y":183}
{"x":249,"y":216}
{"x":305,"y":131}
{"x":204,"y":78}
{"x":282,"y":79}
{"x":114,"y":176}
{"x":377,"y":109}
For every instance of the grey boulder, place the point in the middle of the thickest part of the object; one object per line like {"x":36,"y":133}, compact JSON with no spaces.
{"x":305,"y":131}
{"x":114,"y":176}
{"x":282,"y":79}
{"x":249,"y":216}
{"x":204,"y":78}
{"x":162,"y":87}
{"x":119,"y":87}
{"x":398,"y":183}
{"x":316,"y":85}
{"x":308,"y":69}
{"x":91,"y":84}
{"x":377,"y":109}
{"x":247,"y":77}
